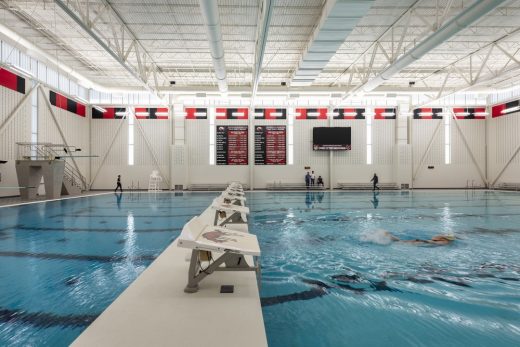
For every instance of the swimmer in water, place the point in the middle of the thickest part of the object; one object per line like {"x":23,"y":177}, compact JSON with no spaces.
{"x":437,"y":240}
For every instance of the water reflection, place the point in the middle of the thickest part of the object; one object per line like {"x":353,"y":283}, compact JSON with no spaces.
{"x":375,"y":200}
{"x":311,"y":198}
{"x":119,"y":196}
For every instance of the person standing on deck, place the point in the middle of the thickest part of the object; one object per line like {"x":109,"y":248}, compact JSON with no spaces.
{"x":313,"y":178}
{"x":307,"y":179}
{"x":119,"y":184}
{"x":375,"y":179}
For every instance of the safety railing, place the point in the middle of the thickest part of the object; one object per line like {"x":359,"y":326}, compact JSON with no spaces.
{"x":46,"y":151}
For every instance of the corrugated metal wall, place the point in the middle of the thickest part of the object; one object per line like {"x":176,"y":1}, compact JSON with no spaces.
{"x":17,"y":130}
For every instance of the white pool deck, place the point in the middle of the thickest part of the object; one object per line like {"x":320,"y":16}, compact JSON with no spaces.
{"x":155,"y":311}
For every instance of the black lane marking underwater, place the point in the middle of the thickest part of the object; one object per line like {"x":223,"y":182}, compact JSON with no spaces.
{"x":81,"y":257}
{"x":45,"y":320}
{"x":123,"y":215}
{"x":102,"y":230}
{"x":203,"y":207}
{"x":355,"y":283}
{"x":319,"y":289}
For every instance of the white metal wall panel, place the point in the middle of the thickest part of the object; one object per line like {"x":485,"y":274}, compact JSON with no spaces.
{"x":475,"y":133}
{"x":18,"y":130}
{"x":358,"y":154}
{"x":74,"y":128}
{"x":503,"y":141}
{"x":383,"y":140}
{"x":197,"y":142}
{"x":19,"y":127}
{"x":303,"y":152}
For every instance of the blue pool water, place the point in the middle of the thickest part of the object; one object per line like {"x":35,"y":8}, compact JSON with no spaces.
{"x":62,"y":263}
{"x":330,"y":277}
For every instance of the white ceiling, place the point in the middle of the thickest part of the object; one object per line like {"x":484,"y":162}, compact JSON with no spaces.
{"x":172,"y":41}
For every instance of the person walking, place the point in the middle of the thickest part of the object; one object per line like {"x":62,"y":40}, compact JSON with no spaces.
{"x":119,"y":184}
{"x":313,"y":178}
{"x":375,"y":179}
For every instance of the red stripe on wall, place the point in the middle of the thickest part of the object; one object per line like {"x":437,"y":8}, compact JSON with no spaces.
{"x":81,"y":110}
{"x":496,"y":111}
{"x":10,"y":80}
{"x":302,"y":113}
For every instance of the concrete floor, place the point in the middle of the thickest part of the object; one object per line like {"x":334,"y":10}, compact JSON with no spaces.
{"x":155,"y":311}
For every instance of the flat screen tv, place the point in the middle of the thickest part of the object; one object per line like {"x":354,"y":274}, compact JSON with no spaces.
{"x":331,"y":138}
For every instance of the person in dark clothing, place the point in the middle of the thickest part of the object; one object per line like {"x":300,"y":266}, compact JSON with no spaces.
{"x":307,"y":179}
{"x":375,"y":179}
{"x":320,"y":181}
{"x":119,"y":184}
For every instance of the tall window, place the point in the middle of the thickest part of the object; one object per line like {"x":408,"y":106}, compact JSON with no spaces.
{"x":130,"y":138}
{"x":447,"y":138}
{"x":290,"y":139}
{"x":34,"y":119}
{"x":369,"y":138}
{"x":212,"y":135}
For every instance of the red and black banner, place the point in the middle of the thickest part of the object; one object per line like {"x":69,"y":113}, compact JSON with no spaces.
{"x":151,"y":113}
{"x":427,"y":113}
{"x":12,"y":81}
{"x":311,"y":113}
{"x":469,"y":112}
{"x":270,"y":147}
{"x":385,"y":113}
{"x":61,"y":101}
{"x":232,"y":113}
{"x":270,"y":113}
{"x":349,"y":113}
{"x":507,"y":108}
{"x":110,"y":113}
{"x":232,"y":145}
{"x":196,"y":113}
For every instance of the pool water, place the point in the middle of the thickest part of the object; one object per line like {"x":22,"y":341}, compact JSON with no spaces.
{"x":332,"y":277}
{"x":330,"y":274}
{"x":63,"y":262}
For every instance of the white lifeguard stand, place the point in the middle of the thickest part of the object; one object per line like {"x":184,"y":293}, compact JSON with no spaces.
{"x":155,"y":181}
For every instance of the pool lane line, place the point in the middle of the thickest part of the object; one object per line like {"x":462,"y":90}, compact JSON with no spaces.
{"x":50,"y":200}
{"x":80,"y":257}
{"x":44,"y":319}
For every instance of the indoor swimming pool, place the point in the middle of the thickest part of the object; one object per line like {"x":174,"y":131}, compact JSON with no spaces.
{"x":63,"y":262}
{"x":331,"y":276}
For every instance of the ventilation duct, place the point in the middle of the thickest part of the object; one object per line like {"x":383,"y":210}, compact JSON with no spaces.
{"x":209,"y":9}
{"x":450,"y":29}
{"x":338,"y":19}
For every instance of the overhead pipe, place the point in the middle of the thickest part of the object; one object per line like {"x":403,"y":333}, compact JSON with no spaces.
{"x":261,"y":42}
{"x":447,"y":31}
{"x":209,"y":9}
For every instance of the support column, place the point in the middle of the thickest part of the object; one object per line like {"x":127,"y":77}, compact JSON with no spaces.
{"x":251,"y":146}
{"x":331,"y":153}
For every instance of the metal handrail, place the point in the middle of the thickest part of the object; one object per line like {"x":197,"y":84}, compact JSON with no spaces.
{"x":44,"y":151}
